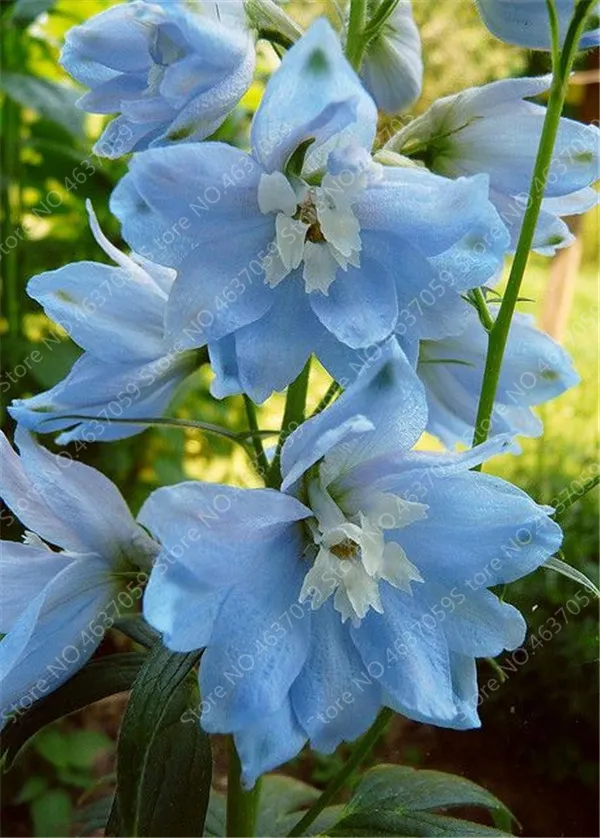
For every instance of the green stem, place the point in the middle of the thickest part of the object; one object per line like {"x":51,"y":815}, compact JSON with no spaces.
{"x":499,"y":333}
{"x":574,"y":497}
{"x":11,"y":196}
{"x":362,"y":750}
{"x":262,"y":464}
{"x":355,"y":43}
{"x":242,"y":806}
{"x":293,"y":416}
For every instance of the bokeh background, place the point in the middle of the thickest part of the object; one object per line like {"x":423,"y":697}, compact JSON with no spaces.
{"x":537,"y":749}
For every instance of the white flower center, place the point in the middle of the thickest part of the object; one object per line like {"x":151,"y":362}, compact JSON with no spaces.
{"x":314,"y":224}
{"x":352,"y":554}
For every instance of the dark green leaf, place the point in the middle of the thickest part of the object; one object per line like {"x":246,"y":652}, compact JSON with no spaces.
{"x":138,"y":630}
{"x":164,"y":761}
{"x":397,"y":800}
{"x":49,"y":99}
{"x":100,"y":678}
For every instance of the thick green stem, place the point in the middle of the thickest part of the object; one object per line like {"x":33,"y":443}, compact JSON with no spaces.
{"x":262,"y":464}
{"x":361,"y":750}
{"x":242,"y":806}
{"x":355,"y":42}
{"x":293,"y":416}
{"x":499,"y":332}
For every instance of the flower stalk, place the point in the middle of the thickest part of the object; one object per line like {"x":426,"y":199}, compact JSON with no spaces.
{"x":562,"y":66}
{"x":242,"y":806}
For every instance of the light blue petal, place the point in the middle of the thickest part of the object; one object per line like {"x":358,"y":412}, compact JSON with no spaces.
{"x":92,"y":515}
{"x":392,"y":68}
{"x":114,"y":314}
{"x":116,"y":38}
{"x":333,"y":697}
{"x":411,"y":663}
{"x":361,"y":307}
{"x":270,"y":742}
{"x":24,"y":571}
{"x":52,"y":639}
{"x":105,"y":392}
{"x":432,"y":213}
{"x":525,"y":22}
{"x":31,"y":506}
{"x":272,"y":352}
{"x":478,"y":626}
{"x":314,"y":94}
{"x":180,"y":604}
{"x":218,"y":531}
{"x":488,"y":145}
{"x":259,"y":643}
{"x":479,"y":531}
{"x":535,"y":370}
{"x":224,"y":364}
{"x":385,"y":390}
{"x":197,"y":189}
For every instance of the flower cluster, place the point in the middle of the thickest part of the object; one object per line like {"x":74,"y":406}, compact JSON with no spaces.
{"x":358,"y":571}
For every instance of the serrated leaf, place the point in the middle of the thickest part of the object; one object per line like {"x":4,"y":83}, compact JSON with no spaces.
{"x":558,"y":566}
{"x":51,"y":100}
{"x":100,"y":678}
{"x":397,"y":800}
{"x":33,"y":787}
{"x":164,"y":764}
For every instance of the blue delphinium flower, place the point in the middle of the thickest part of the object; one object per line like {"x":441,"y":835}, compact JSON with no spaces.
{"x":526,"y":22}
{"x":535,"y":370}
{"x":474,"y":131}
{"x":307,"y":245}
{"x":392,"y":68}
{"x":171,"y":69}
{"x":55,"y":604}
{"x":128,"y":370}
{"x":363,"y":583}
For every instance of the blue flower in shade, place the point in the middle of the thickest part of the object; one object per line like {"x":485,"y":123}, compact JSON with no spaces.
{"x":55,"y":604}
{"x":306,"y":245}
{"x":366,"y":577}
{"x":473,"y":132}
{"x":526,"y":22}
{"x":128,"y":370}
{"x":535,"y":370}
{"x":392,"y":68}
{"x":171,"y":69}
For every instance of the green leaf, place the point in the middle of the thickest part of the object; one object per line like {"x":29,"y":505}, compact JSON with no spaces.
{"x":397,"y":800}
{"x":164,"y":764}
{"x":283,"y":800}
{"x":83,"y":747}
{"x":51,"y":814}
{"x":26,"y":11}
{"x":557,"y":565}
{"x":100,"y":678}
{"x":33,"y":787}
{"x":138,"y":630}
{"x":54,"y":101}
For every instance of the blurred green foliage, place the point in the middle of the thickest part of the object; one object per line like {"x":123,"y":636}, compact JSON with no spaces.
{"x":48,"y":172}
